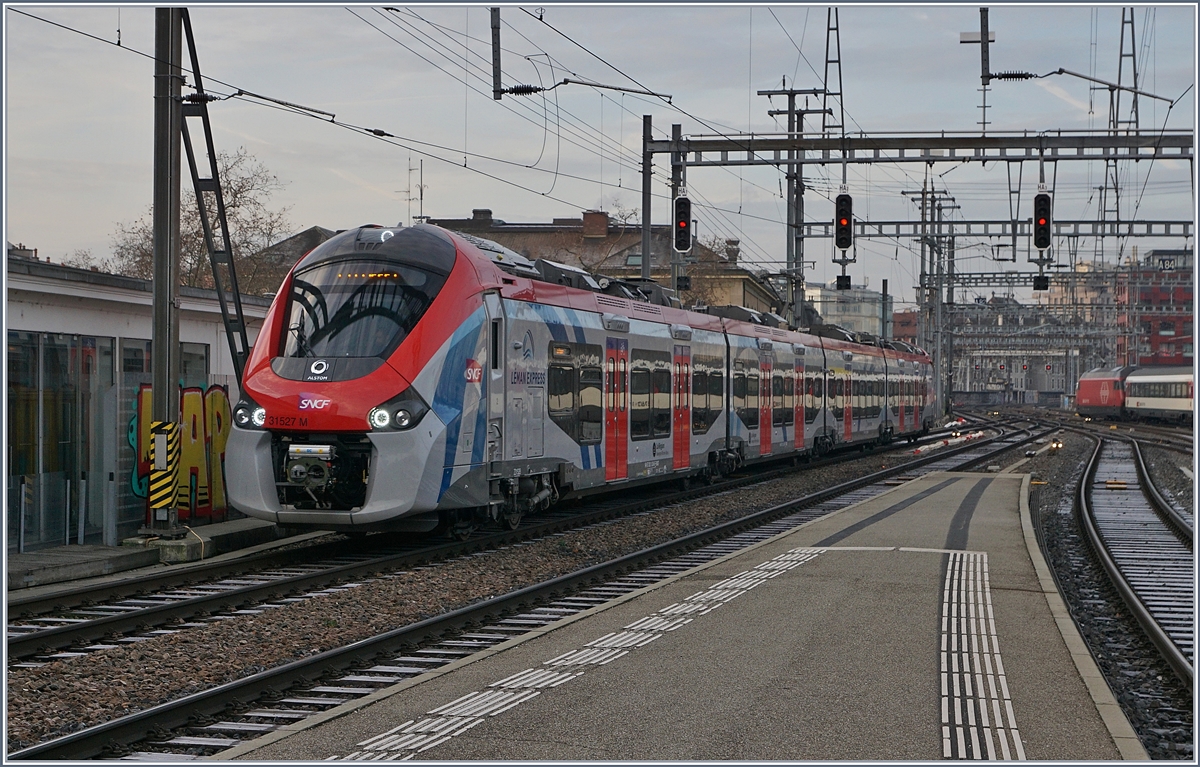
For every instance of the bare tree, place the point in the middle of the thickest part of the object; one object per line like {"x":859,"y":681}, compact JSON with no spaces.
{"x":246,"y":186}
{"x":83,"y":258}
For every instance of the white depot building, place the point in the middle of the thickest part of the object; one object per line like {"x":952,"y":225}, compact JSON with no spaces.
{"x":857,"y":309}
{"x":78,"y":356}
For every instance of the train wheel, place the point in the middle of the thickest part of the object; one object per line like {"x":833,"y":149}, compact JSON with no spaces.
{"x":510,"y":519}
{"x":456,"y":525}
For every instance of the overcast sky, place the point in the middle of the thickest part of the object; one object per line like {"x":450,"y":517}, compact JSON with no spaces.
{"x":79,"y":122}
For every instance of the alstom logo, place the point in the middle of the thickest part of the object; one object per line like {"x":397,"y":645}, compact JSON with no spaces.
{"x":311,"y":402}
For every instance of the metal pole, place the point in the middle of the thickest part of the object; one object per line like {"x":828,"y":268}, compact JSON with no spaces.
{"x":496,"y":91}
{"x":82,"y":506}
{"x":883,"y":312}
{"x":110,"y":511}
{"x":922,"y":291}
{"x":949,"y":325}
{"x":792,"y":173}
{"x":647,"y":161}
{"x":676,"y":179}
{"x":939,"y":358}
{"x":168,"y":121}
{"x":21,"y":531}
{"x":168,"y":141}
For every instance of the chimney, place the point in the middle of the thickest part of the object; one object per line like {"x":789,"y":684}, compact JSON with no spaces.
{"x":595,"y":223}
{"x":481,"y":216}
{"x":732,"y":250}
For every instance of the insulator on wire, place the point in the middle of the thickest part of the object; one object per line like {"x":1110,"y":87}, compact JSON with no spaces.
{"x":1014,"y":76}
{"x":524,"y":90}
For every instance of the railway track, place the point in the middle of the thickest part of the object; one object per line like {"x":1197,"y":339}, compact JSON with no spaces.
{"x":222,"y":717}
{"x":67,"y":624}
{"x":1144,"y":546}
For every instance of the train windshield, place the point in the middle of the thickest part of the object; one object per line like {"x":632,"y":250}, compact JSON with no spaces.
{"x":356,"y":308}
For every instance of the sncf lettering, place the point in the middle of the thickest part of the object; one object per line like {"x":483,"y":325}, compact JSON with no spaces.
{"x":314,"y":404}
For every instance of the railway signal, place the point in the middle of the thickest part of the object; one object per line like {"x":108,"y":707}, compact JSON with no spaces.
{"x":1042,"y":216}
{"x":683,"y":224}
{"x":843,"y":222}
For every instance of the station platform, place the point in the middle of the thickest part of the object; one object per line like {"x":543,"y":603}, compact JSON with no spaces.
{"x":921,"y":624}
{"x":61,"y":564}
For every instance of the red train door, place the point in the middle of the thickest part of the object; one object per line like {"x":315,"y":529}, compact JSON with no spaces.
{"x":798,"y":413}
{"x":900,"y":392}
{"x":766,"y":398}
{"x":682,"y":406}
{"x":616,"y":409}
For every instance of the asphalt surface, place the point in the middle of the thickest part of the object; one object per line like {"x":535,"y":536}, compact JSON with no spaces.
{"x":824,"y":643}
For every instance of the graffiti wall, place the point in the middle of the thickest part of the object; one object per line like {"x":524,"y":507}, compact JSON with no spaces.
{"x":204,"y":416}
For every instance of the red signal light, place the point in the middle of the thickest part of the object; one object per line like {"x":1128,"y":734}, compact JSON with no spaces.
{"x":1041,"y":222}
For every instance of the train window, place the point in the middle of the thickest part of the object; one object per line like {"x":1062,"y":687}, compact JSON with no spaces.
{"x":590,"y":411}
{"x":560,"y":390}
{"x":676,"y":394}
{"x":751,"y":412}
{"x":612,"y":383}
{"x":621,"y":382}
{"x":739,"y":392}
{"x":789,"y":399}
{"x":639,"y":403}
{"x":777,"y":400}
{"x":356,"y":308}
{"x":683,"y":384}
{"x":495,"y":344}
{"x":699,"y":402}
{"x":716,"y":396}
{"x":560,"y":398}
{"x":660,"y":403}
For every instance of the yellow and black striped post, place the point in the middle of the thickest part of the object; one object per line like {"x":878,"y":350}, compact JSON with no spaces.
{"x":164,"y":470}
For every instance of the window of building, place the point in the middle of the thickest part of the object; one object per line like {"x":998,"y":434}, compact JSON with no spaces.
{"x":135,"y":355}
{"x":193,"y":364}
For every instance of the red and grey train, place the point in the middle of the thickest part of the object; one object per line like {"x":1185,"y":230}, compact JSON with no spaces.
{"x":407,"y":378}
{"x":1137,"y":393}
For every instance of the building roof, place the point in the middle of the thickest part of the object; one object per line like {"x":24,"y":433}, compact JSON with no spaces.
{"x":79,"y":276}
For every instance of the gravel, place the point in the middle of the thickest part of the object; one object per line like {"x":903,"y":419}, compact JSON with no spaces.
{"x":69,"y":695}
{"x":1166,"y":467}
{"x":1156,"y":703}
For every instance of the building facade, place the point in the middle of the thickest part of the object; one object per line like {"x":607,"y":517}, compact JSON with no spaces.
{"x":857,"y":309}
{"x":79,"y":352}
{"x":1154,"y":298}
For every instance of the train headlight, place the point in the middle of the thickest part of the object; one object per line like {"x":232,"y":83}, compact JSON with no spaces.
{"x":241,"y":416}
{"x":399,"y":413}
{"x":379,"y":418}
{"x":249,"y":415}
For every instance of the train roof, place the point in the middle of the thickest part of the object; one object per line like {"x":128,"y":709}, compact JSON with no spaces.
{"x":635,"y":294}
{"x":1161,"y":373}
{"x":1111,"y":373}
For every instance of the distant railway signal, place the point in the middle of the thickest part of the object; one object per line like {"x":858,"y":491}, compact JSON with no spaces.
{"x":843,"y":222}
{"x":683,"y":224}
{"x":1042,"y":217}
